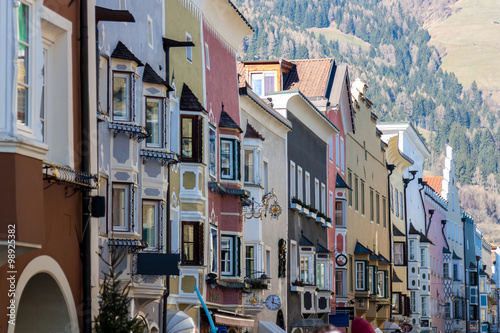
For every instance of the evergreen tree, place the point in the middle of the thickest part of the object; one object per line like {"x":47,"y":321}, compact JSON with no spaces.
{"x":114,"y":302}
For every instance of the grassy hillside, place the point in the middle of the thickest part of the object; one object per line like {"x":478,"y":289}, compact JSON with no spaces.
{"x":472,"y":43}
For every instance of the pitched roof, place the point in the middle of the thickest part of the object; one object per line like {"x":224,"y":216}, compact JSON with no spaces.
{"x":122,"y":52}
{"x":455,"y":256}
{"x":360,"y":249}
{"x":251,"y":132}
{"x":472,"y":266}
{"x":240,"y":67}
{"x":383,"y":259}
{"x":340,"y":183}
{"x":395,"y":277}
{"x":436,"y":183}
{"x":304,"y":241}
{"x":321,"y":249}
{"x":227,"y":122}
{"x":425,"y":239}
{"x":150,"y":76}
{"x":396,"y":231}
{"x":445,"y":250}
{"x":412,"y":230}
{"x":310,"y":76}
{"x":189,"y":102}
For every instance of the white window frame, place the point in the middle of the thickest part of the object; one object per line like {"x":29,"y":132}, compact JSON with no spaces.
{"x":316,"y":195}
{"x":256,"y":165}
{"x":423,"y":257}
{"x":294,"y":265}
{"x":126,"y":225}
{"x":311,"y":267}
{"x":207,"y":56}
{"x":150,"y":33}
{"x":343,"y":290}
{"x":399,"y":256}
{"x":156,"y":222}
{"x":189,"y":50}
{"x":323,"y":199}
{"x":326,"y":275}
{"x":411,"y":250}
{"x":401,"y":203}
{"x":231,"y":159}
{"x":293,"y":189}
{"x":130,"y":95}
{"x":330,"y":150}
{"x":260,"y":89}
{"x":300,"y":188}
{"x":446,"y":270}
{"x":342,"y":162}
{"x":396,"y":204}
{"x":255,"y":269}
{"x":337,"y":155}
{"x":212,"y":151}
{"x":214,"y":247}
{"x":331,"y":211}
{"x":424,"y":307}
{"x":413,"y":302}
{"x":308,"y":188}
{"x":360,"y":275}
{"x":230,"y":260}
{"x":161,"y":120}
{"x":381,"y":284}
{"x":29,"y":115}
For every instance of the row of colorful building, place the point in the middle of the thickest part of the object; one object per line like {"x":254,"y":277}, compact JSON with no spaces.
{"x":268,"y":187}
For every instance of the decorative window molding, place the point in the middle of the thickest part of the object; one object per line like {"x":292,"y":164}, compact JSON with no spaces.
{"x":163,"y":157}
{"x":135,"y":132}
{"x":123,"y":96}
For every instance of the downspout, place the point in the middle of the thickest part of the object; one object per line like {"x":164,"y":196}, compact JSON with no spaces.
{"x":406,"y":181}
{"x":167,"y":250}
{"x":443,"y":222}
{"x":423,"y":183}
{"x":85,"y":166}
{"x":391,"y":168}
{"x":466,"y":300}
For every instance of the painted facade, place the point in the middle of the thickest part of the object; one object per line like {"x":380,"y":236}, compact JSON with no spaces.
{"x":368,"y":236}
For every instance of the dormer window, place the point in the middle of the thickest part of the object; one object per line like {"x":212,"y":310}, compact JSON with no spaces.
{"x":263,"y":83}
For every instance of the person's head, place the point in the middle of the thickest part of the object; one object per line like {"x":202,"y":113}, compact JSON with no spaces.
{"x":325,"y":329}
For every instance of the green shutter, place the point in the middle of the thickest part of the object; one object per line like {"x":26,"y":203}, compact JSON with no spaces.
{"x":237,"y":160}
{"x":367,"y":272}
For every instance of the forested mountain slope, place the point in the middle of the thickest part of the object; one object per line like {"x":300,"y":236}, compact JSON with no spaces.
{"x":384,"y":43}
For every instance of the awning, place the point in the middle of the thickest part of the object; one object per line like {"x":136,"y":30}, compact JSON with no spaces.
{"x":231,"y":320}
{"x":269,"y":327}
{"x":179,"y":322}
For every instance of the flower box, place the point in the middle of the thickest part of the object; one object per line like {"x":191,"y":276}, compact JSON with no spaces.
{"x":320,"y":220}
{"x":312,"y":215}
{"x":298,"y":289}
{"x":295,"y":206}
{"x":304,"y":211}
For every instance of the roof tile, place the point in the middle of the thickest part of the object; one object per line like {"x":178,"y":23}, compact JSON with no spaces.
{"x":310,"y":76}
{"x":189,"y":102}
{"x":227,"y":122}
{"x":436,"y":183}
{"x":122,"y":52}
{"x":150,"y":76}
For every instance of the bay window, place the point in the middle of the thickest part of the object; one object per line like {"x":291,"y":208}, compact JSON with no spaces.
{"x":122,"y":95}
{"x":323,"y":268}
{"x":212,"y":153}
{"x":412,"y":250}
{"x":213,"y":250}
{"x":23,"y":64}
{"x":424,"y":307}
{"x":192,"y":248}
{"x":252,"y":166}
{"x":151,"y":222}
{"x":230,"y":255}
{"x":229,"y":159}
{"x":382,"y":283}
{"x":154,"y":121}
{"x":250,"y":261}
{"x":399,"y":257}
{"x":361,"y":275}
{"x":191,"y":138}
{"x":339,"y":283}
{"x":121,"y":208}
{"x":307,"y":266}
{"x":413,"y":302}
{"x":304,"y":269}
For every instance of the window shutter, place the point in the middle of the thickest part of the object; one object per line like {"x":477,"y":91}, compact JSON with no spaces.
{"x":386,"y":284}
{"x":237,"y":256}
{"x":201,"y":246}
{"x":237,"y":160}
{"x":367,"y":272}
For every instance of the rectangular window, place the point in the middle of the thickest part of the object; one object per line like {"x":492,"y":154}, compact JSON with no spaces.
{"x":265,"y":177}
{"x":337,"y":155}
{"x":121,"y":207}
{"x":372,"y":209}
{"x":424,"y":307}
{"x":23,"y":62}
{"x":413,"y":302}
{"x":412,"y":250}
{"x":483,"y":315}
{"x":423,"y":257}
{"x":293,"y":261}
{"x":300,"y":180}
{"x":214,"y":245}
{"x":330,"y":149}
{"x":43,"y":106}
{"x":154,"y":122}
{"x":308,"y":188}
{"x":339,"y":283}
{"x":362,"y":192}
{"x":292,"y":180}
{"x":396,"y":303}
{"x":349,"y":183}
{"x":455,"y":272}
{"x":377,"y":207}
{"x":339,"y":214}
{"x":396,"y":204}
{"x":212,"y":147}
{"x":372,"y":280}
{"x":447,"y":310}
{"x":399,"y":259}
{"x":229,"y":159}
{"x":226,"y":255}
{"x":304,"y":269}
{"x":249,"y":166}
{"x":150,"y":33}
{"x":150,"y":222}
{"x":331,"y":213}
{"x":189,"y":51}
{"x":342,"y":155}
{"x":351,"y":274}
{"x":122,"y":96}
{"x":392,"y":198}
{"x":191,"y":246}
{"x":401,"y":205}
{"x":320,"y":275}
{"x":446,"y":273}
{"x":207,"y":56}
{"x":356,"y":193}
{"x":381,"y":281}
{"x":191,"y":138}
{"x":263,"y":83}
{"x":360,"y":275}
{"x":250,"y":261}
{"x":268,"y":263}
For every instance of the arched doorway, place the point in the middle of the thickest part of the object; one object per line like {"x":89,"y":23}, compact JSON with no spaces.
{"x":42,"y":307}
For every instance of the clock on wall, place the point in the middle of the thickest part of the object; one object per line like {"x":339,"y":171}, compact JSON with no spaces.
{"x":273,"y":302}
{"x":341,"y":260}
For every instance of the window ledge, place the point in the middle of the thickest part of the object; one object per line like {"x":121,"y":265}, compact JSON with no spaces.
{"x":134,"y":131}
{"x":23,"y":146}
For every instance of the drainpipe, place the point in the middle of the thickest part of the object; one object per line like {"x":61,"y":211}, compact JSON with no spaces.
{"x":406,"y":181}
{"x":167,"y":250}
{"x":466,"y":299}
{"x":85,"y":166}
{"x":391,"y":168}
